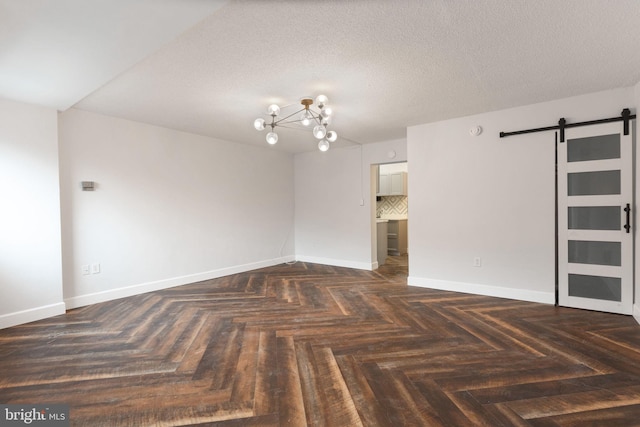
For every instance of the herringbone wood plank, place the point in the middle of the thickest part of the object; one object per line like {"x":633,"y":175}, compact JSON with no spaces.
{"x":306,"y":344}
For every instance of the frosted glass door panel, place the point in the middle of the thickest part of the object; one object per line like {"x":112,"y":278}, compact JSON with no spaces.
{"x":594,"y":218}
{"x":593,"y":148}
{"x":599,"y":253}
{"x":595,"y":287}
{"x":593,"y":183}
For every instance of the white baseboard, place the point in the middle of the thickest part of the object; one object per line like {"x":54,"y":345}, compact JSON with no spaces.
{"x":478,"y":289}
{"x":127,"y":291}
{"x":31,"y":315}
{"x":336,"y":262}
{"x":636,"y":312}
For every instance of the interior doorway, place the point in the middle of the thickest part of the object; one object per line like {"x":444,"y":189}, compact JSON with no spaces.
{"x":391,"y":216}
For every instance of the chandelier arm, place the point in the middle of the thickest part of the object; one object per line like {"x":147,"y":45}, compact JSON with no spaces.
{"x":290,"y":115}
{"x":293,"y":127}
{"x":316,"y":116}
{"x":296,"y":128}
{"x":288,"y":121}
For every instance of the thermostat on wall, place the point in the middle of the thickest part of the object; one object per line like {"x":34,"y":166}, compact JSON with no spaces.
{"x":88,"y":185}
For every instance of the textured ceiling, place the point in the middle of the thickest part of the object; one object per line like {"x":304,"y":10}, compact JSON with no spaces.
{"x":384,"y":64}
{"x":56,"y":52}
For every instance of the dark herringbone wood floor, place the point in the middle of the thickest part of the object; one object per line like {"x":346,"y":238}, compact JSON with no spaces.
{"x":306,"y":344}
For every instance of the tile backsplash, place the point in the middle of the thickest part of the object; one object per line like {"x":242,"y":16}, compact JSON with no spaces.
{"x":392,"y":205}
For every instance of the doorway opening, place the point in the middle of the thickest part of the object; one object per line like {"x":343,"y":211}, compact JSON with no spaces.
{"x":390,"y":214}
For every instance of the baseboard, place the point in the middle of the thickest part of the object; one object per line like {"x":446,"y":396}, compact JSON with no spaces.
{"x":31,"y":315}
{"x":636,"y":312}
{"x":127,"y":291}
{"x":336,"y":262}
{"x":478,"y":289}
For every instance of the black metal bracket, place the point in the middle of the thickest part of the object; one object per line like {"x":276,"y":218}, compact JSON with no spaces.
{"x":625,"y":116}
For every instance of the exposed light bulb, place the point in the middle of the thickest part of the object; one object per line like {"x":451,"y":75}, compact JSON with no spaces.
{"x":273,"y":110}
{"x":305,"y":118}
{"x":332,"y":136}
{"x":321,"y":101}
{"x":323,"y":145}
{"x":319,"y":131}
{"x":272,"y":138}
{"x":326,"y":112}
{"x":259,"y":124}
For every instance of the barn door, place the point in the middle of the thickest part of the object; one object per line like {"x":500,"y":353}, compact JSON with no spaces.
{"x":595,"y":230}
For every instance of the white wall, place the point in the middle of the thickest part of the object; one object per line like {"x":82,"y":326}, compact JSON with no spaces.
{"x":30,"y":254}
{"x":169,"y":208}
{"x":335,"y":203}
{"x":492,"y":198}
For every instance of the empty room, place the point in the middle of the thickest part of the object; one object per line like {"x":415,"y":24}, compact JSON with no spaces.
{"x":323,"y":213}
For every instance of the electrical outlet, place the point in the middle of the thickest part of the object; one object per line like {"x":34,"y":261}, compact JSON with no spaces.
{"x":85,"y":270}
{"x":477,"y":262}
{"x":95,"y":268}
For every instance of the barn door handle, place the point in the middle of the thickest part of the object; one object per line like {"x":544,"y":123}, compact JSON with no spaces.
{"x":627,"y":226}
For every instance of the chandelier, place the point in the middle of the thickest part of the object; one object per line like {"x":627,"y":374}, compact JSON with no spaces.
{"x":319,"y":117}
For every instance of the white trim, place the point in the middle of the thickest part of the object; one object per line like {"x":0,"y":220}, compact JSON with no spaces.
{"x":127,"y":291}
{"x":31,"y":315}
{"x":594,"y":165}
{"x":636,"y":312}
{"x":478,"y":289}
{"x":336,"y":262}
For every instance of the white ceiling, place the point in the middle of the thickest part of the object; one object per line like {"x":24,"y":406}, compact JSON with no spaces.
{"x":212,"y":67}
{"x":56,"y":52}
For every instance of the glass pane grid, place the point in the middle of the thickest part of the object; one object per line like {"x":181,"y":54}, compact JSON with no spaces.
{"x":593,"y":274}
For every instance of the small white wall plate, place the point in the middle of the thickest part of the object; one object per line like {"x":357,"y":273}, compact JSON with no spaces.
{"x":475,"y":131}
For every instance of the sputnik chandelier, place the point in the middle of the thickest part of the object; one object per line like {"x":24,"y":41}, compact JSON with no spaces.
{"x":306,"y":116}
